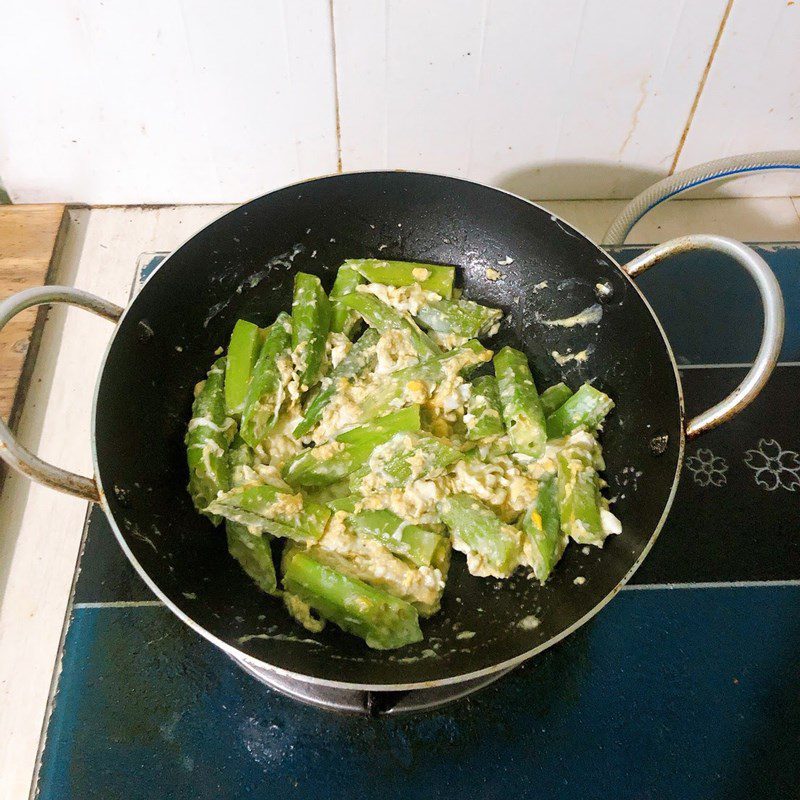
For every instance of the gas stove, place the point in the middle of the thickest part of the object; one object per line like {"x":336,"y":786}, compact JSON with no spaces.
{"x":674,"y":672}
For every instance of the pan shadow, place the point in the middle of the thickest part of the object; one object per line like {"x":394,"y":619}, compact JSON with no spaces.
{"x":744,"y":218}
{"x":578,"y":180}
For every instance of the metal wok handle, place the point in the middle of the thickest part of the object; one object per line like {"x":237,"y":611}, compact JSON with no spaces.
{"x":771,"y":301}
{"x":11,"y":451}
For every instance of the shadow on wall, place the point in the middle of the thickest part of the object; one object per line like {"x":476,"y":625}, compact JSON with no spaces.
{"x":595,"y":180}
{"x":749,"y":219}
{"x":585,"y":180}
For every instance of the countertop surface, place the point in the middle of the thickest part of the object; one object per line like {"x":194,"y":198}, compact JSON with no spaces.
{"x":42,"y":530}
{"x":29,"y":237}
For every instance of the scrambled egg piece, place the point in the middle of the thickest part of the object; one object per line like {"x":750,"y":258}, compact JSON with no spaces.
{"x":448,"y":341}
{"x":344,"y":409}
{"x":299,"y":357}
{"x":337,"y":346}
{"x":403,"y":298}
{"x":500,"y":483}
{"x":395,"y":351}
{"x":416,"y":502}
{"x":279,"y":445}
{"x":302,"y":612}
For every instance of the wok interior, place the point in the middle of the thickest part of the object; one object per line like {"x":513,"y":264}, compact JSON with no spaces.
{"x":243,"y":266}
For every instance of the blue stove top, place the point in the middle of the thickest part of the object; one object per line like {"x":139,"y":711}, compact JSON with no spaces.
{"x":685,"y":686}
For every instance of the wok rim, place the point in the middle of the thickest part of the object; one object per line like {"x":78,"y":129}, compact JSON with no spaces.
{"x":239,"y":656}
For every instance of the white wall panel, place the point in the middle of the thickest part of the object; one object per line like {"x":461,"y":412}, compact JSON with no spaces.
{"x":567,"y":99}
{"x":182,"y":101}
{"x":162,"y":100}
{"x":751,"y":99}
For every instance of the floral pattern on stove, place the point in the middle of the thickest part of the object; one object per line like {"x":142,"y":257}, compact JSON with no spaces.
{"x":773,"y":466}
{"x":706,"y":468}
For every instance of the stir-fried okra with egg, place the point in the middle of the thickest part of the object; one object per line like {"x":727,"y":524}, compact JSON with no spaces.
{"x":349,"y":447}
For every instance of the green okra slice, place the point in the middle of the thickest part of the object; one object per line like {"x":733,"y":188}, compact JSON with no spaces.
{"x":311,"y":321}
{"x":383,"y":318}
{"x":521,"y":407}
{"x":243,"y":350}
{"x":327,"y":494}
{"x":378,"y":567}
{"x":241,"y":460}
{"x":405,"y":458}
{"x":411,"y":542}
{"x":383,"y":428}
{"x":266,"y":508}
{"x":542,"y":527}
{"x":383,"y":621}
{"x":433,"y":277}
{"x":488,"y":450}
{"x":207,"y":439}
{"x":587,"y":408}
{"x":254,"y":555}
{"x":463,"y":360}
{"x":331,"y":462}
{"x":360,"y":358}
{"x":492,"y":547}
{"x":347,"y":503}
{"x":262,"y":401}
{"x":460,"y":317}
{"x":344,"y":320}
{"x":554,"y":397}
{"x":484,"y":417}
{"x":579,"y":497}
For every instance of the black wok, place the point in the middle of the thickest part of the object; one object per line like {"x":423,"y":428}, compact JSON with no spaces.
{"x":243,"y":265}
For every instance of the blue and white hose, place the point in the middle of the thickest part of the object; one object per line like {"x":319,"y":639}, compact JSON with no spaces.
{"x":696,"y":176}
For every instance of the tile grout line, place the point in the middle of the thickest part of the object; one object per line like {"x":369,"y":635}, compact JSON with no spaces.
{"x":735,"y":365}
{"x":700,"y":87}
{"x":338,"y":118}
{"x":119,"y":604}
{"x":795,"y":201}
{"x":710,"y":585}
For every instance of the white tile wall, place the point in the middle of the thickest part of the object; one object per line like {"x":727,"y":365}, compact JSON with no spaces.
{"x":581,"y":98}
{"x":164,"y":100}
{"x":192,"y":101}
{"x":751,"y":100}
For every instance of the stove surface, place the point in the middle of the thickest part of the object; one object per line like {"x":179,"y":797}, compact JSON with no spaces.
{"x":685,"y":686}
